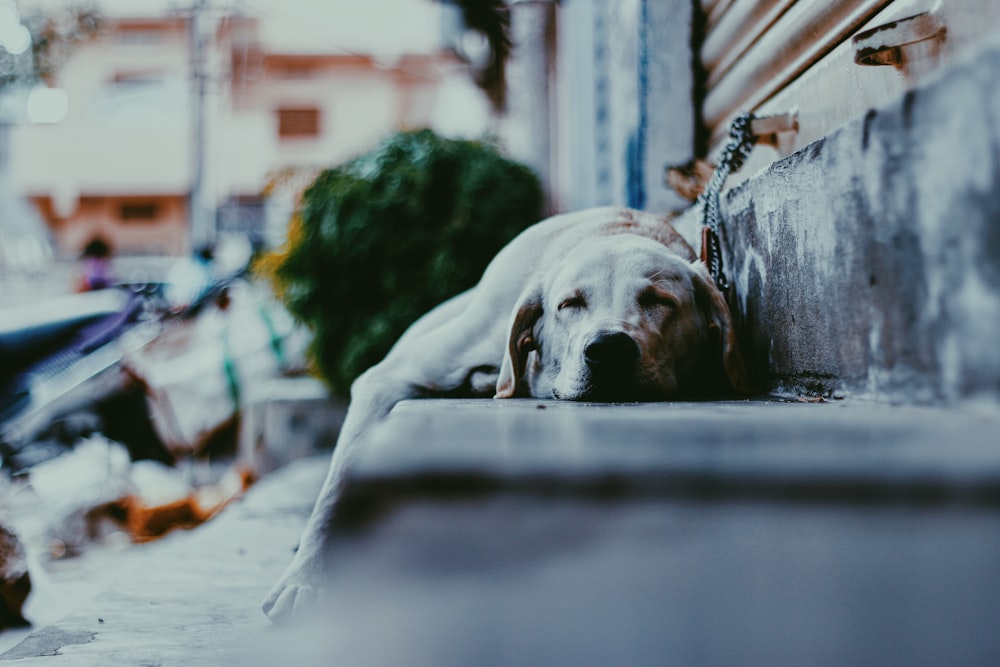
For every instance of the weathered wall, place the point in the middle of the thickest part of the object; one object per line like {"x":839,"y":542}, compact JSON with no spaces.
{"x":869,"y":262}
{"x":623,"y":104}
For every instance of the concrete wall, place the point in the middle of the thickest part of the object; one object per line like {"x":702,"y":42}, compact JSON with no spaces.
{"x":602,"y":110}
{"x":869,"y":262}
{"x":525,"y":129}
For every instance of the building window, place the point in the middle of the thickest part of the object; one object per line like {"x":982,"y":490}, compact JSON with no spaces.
{"x":295,"y":123}
{"x":293,"y":72}
{"x":141,"y":35}
{"x":138,"y":79}
{"x":139,"y":212}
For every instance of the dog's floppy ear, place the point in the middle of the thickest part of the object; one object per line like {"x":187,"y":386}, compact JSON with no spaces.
{"x":713,"y":306}
{"x":520,"y":341}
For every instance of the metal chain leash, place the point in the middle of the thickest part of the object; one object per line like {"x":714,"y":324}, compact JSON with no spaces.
{"x":741,"y":141}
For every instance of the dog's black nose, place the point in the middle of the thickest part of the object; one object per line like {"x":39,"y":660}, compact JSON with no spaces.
{"x":611,"y":351}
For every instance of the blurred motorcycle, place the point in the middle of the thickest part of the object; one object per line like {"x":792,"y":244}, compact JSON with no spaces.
{"x":160,"y":376}
{"x":61,"y":375}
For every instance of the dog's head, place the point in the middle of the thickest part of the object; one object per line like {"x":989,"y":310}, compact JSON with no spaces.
{"x":621,"y":319}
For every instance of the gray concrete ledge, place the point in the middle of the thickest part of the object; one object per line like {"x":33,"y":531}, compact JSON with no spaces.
{"x":842,"y":450}
{"x":534,"y":532}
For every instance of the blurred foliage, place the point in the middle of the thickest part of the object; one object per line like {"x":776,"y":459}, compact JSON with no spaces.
{"x":491,"y":19}
{"x":56,"y":32}
{"x":382,"y":239}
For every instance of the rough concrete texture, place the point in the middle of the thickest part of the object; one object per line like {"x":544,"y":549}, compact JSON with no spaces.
{"x":869,"y":262}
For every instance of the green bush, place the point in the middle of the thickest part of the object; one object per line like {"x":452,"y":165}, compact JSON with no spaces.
{"x":382,"y":239}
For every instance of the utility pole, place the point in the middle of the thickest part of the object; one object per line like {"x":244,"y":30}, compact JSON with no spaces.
{"x":201,"y":216}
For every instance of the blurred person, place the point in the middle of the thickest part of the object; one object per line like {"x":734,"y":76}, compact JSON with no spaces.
{"x":96,"y":266}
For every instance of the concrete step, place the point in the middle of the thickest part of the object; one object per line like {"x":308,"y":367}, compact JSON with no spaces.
{"x":751,"y":533}
{"x":838,"y":449}
{"x":534,"y":532}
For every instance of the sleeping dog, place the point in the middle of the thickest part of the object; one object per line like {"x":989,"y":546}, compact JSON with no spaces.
{"x":608,"y":304}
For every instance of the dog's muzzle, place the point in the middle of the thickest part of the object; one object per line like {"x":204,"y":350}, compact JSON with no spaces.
{"x":612,"y":362}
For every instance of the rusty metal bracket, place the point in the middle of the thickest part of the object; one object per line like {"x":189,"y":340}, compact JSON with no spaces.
{"x":902,"y":43}
{"x":772,"y":129}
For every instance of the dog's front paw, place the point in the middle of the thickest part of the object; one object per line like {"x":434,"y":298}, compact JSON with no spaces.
{"x":287,"y":601}
{"x":296,"y":595}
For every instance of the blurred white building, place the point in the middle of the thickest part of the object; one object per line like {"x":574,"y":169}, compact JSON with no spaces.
{"x":285,"y":85}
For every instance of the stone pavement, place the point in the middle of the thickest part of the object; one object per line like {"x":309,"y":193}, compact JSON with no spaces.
{"x":191,"y":598}
{"x":533,"y":532}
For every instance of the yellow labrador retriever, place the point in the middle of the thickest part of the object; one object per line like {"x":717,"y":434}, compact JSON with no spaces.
{"x":607,"y":304}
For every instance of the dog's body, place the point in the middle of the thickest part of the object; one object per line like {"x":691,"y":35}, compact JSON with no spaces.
{"x":607,"y":304}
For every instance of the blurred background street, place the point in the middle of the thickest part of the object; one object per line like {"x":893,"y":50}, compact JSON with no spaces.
{"x":215,"y":214}
{"x":161,"y":127}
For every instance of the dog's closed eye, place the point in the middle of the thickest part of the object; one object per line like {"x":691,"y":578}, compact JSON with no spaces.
{"x":575,"y":302}
{"x":652,"y":297}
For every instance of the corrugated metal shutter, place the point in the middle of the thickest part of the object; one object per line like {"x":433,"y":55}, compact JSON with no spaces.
{"x":804,"y":58}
